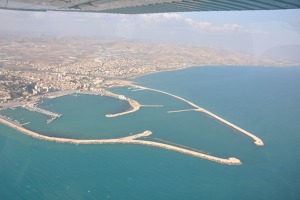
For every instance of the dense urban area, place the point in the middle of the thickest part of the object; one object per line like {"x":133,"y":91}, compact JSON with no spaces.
{"x":31,"y":66}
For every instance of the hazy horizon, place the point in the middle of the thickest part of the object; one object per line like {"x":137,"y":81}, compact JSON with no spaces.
{"x":259,"y":33}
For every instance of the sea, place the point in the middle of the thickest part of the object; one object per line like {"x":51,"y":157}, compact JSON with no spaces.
{"x":262,"y":100}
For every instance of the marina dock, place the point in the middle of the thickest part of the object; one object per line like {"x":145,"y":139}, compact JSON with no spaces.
{"x":33,"y":108}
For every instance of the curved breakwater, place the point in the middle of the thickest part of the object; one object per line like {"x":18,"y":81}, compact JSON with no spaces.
{"x":257,"y":140}
{"x":123,"y":140}
{"x":135,"y":107}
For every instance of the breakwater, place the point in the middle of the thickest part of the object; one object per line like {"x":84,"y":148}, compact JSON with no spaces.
{"x":132,"y":139}
{"x":256,"y":139}
{"x":152,"y":106}
{"x":135,"y":106}
{"x":124,"y":140}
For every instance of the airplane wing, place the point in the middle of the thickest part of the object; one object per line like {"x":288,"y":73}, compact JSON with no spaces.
{"x":146,"y":6}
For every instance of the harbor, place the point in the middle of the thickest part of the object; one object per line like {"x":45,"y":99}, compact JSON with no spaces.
{"x":135,"y":138}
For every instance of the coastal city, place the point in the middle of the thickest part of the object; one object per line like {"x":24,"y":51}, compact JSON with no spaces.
{"x":36,"y":68}
{"x":150,"y":99}
{"x":31,"y":66}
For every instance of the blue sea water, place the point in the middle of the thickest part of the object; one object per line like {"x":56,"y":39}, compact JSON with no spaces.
{"x":264,"y":101}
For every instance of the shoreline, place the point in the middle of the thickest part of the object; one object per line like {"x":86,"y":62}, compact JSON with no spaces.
{"x":199,"y":66}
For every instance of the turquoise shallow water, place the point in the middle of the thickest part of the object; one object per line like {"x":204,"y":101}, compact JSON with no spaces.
{"x":264,"y":101}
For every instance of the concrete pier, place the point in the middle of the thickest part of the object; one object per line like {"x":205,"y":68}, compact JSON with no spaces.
{"x":33,"y":108}
{"x":186,"y":110}
{"x":135,"y":90}
{"x":152,"y":106}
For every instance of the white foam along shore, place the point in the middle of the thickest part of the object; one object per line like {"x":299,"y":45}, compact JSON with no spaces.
{"x":256,"y":139}
{"x":124,"y":140}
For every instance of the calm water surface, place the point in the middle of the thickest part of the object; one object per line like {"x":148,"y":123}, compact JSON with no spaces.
{"x":264,"y":101}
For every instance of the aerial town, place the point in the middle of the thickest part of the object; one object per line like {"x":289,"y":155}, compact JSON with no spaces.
{"x":31,"y":66}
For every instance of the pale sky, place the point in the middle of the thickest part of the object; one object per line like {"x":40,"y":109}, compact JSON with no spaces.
{"x":255,"y":32}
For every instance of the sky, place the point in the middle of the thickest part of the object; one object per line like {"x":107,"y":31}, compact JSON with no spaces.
{"x":256,"y":32}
